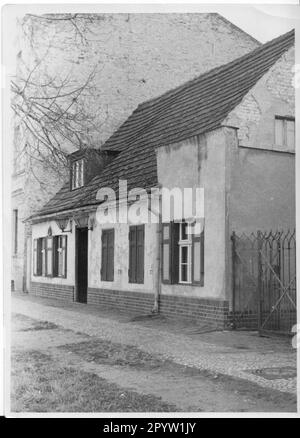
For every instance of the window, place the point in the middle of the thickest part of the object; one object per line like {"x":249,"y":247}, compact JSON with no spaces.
{"x":60,"y":258}
{"x":15,"y":231}
{"x":77,"y":174}
{"x":285,"y":132}
{"x":36,"y":270}
{"x":44,"y":256}
{"x":136,"y":254}
{"x":182,"y":254}
{"x":185,"y":253}
{"x":50,"y":256}
{"x":107,"y":259}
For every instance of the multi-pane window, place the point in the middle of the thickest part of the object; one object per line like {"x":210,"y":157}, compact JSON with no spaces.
{"x":44,"y":256}
{"x":61,"y":253}
{"x":50,"y":256}
{"x":107,"y":258}
{"x":35,"y":257}
{"x":182,"y":254}
{"x":285,"y":132}
{"x":136,"y":253}
{"x":77,"y":174}
{"x":185,"y":253}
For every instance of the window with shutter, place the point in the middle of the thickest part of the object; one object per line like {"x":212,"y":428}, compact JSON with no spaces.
{"x":182,"y":255}
{"x":107,"y":259}
{"x":136,"y":253}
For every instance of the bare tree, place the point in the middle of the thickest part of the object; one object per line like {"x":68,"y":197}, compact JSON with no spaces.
{"x":53,"y":110}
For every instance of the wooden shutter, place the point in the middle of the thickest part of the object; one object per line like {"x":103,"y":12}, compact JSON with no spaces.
{"x":39,"y":257}
{"x":198,"y":259}
{"x":175,"y":253}
{"x":110,"y":255}
{"x":166,"y":253}
{"x":132,"y":255}
{"x":64,"y":254}
{"x":140,"y":239}
{"x":55,"y":255}
{"x":104,"y":239}
{"x":35,"y":256}
{"x":170,"y":253}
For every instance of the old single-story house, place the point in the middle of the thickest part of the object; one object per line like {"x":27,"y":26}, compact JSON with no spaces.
{"x":230,"y":131}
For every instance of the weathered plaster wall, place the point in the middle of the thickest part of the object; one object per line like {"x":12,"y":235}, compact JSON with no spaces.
{"x":200,"y":162}
{"x":262,"y":190}
{"x":41,"y":230}
{"x":121,"y":258}
{"x":262,"y":183}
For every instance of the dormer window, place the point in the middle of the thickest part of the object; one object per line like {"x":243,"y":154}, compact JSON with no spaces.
{"x":77,"y":174}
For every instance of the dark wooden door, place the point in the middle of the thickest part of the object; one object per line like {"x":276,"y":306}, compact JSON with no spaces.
{"x":82,"y":264}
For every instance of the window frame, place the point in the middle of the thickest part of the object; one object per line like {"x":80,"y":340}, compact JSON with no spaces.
{"x":49,"y":255}
{"x":284,"y":121}
{"x":75,"y":183}
{"x":171,"y":244}
{"x":60,"y":250}
{"x":185,"y":243}
{"x":42,"y":253}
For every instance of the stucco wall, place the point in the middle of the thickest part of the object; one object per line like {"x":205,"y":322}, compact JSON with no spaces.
{"x":200,"y":162}
{"x":262,"y":181}
{"x":262,"y":190}
{"x":121,"y":258}
{"x":41,"y":230}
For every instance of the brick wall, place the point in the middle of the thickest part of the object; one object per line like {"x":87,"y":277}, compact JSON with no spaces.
{"x":273,"y":93}
{"x":122,"y":300}
{"x":47,"y":290}
{"x":193,"y":309}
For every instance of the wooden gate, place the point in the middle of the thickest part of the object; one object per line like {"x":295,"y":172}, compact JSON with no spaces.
{"x":264,"y":281}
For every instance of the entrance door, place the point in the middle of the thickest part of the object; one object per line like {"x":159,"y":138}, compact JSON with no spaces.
{"x":81,"y":264}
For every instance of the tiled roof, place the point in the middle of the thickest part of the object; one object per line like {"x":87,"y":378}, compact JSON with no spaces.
{"x":194,"y":108}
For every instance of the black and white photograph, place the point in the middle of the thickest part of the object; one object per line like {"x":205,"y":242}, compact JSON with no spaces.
{"x":149,"y":211}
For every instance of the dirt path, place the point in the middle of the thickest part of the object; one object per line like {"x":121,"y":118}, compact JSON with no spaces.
{"x":187,"y":388}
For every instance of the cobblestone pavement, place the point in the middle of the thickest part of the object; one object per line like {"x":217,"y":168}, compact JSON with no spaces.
{"x":234,"y":354}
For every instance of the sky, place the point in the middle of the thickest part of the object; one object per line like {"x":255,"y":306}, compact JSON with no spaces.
{"x":263,"y":22}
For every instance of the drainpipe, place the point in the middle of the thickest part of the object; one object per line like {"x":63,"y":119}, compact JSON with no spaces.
{"x":157,"y":289}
